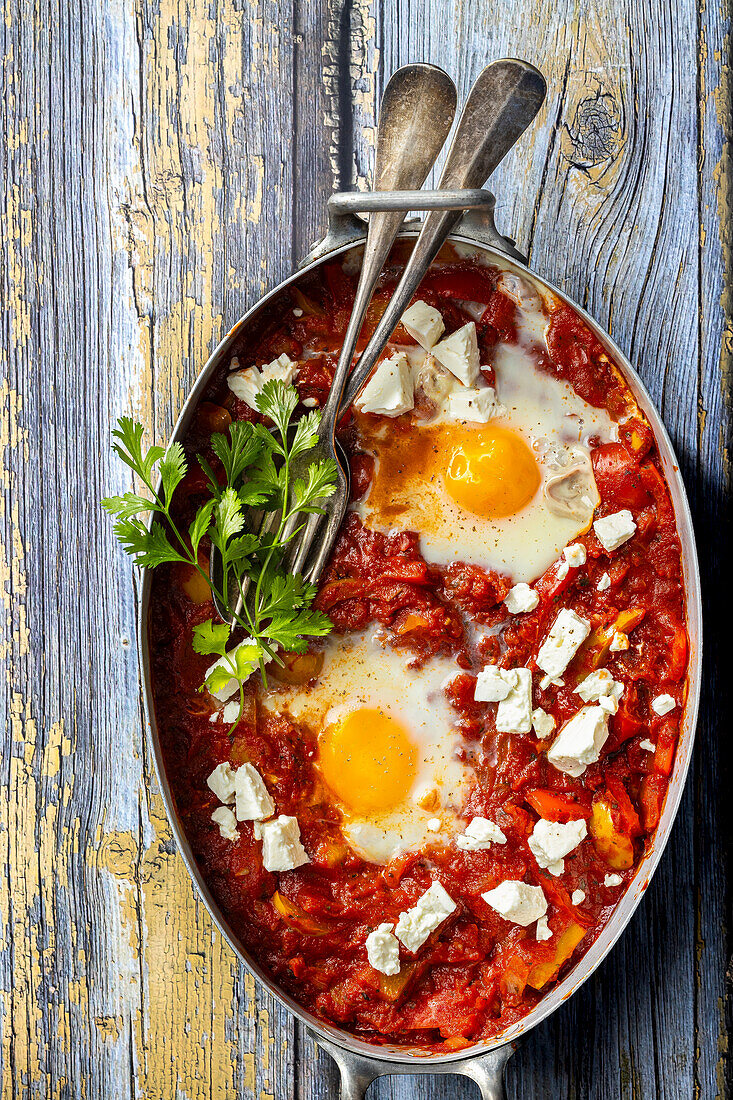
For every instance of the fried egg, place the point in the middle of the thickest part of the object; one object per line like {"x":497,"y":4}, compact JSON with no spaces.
{"x":490,"y":493}
{"x":387,"y":741}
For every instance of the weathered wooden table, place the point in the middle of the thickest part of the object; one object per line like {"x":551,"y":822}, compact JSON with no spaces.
{"x":164,"y":164}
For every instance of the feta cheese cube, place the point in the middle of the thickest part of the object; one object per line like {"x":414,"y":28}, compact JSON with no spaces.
{"x":475,"y":404}
{"x":543,"y":930}
{"x":619,"y":642}
{"x":221,"y":782}
{"x":604,"y":583}
{"x":383,"y":950}
{"x":580,"y":741}
{"x":517,"y":902}
{"x":227,"y":822}
{"x":577,"y":897}
{"x":521,"y":598}
{"x":568,"y":633}
{"x":550,"y":841}
{"x":614,"y":530}
{"x":389,"y":392}
{"x":575,"y":555}
{"x":600,"y":687}
{"x":612,"y":880}
{"x":647,"y":746}
{"x":543,"y":723}
{"x":492,"y":685}
{"x":458,"y":353}
{"x":424,"y":324}
{"x":247,"y":384}
{"x":226,"y":663}
{"x":514,"y":712}
{"x":230,"y":712}
{"x":281,"y":846}
{"x":252,"y":797}
{"x":663,"y":704}
{"x":430,"y":910}
{"x":480,"y":833}
{"x":435,"y":824}
{"x":511,"y":688}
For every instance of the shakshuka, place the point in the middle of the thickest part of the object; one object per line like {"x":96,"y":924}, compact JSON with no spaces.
{"x":420,"y":824}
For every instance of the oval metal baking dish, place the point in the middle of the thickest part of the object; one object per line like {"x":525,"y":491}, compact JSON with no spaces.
{"x":360,"y":1062}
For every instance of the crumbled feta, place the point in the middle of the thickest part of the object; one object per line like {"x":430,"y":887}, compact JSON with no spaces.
{"x":604,"y":583}
{"x":389,"y":392}
{"x":511,"y":688}
{"x":473,"y":403}
{"x":232,"y":685}
{"x":247,"y":384}
{"x":612,"y":880}
{"x":568,"y":633}
{"x":424,"y":324}
{"x":619,"y":642}
{"x":253,"y":798}
{"x":580,"y":741}
{"x":543,"y":931}
{"x":492,"y":685}
{"x":383,"y":950}
{"x":543,"y":723}
{"x":600,"y":687}
{"x":430,"y":910}
{"x":227,"y":822}
{"x":281,"y":846}
{"x":647,"y":746}
{"x":230,"y":711}
{"x":521,"y":598}
{"x":435,"y":824}
{"x":517,"y":902}
{"x":514,"y":713}
{"x":221,"y":782}
{"x":551,"y":841}
{"x":547,"y":680}
{"x":480,"y":833}
{"x":297,"y":312}
{"x":459,"y":354}
{"x":562,"y":570}
{"x":663,"y":704}
{"x":575,"y":555}
{"x":614,"y":530}
{"x":310,"y":402}
{"x":577,"y":897}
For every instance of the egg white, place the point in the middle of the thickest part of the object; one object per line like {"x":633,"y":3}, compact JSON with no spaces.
{"x":360,"y":672}
{"x":546,"y":412}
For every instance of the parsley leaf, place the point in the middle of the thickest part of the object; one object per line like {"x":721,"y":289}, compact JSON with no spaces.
{"x":148,"y":546}
{"x":211,"y":637}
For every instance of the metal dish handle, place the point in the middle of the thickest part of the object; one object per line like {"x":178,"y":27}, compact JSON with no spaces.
{"x":358,"y":1071}
{"x":345,"y":227}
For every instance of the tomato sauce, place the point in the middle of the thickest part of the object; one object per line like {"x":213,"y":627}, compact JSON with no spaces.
{"x":478,"y":973}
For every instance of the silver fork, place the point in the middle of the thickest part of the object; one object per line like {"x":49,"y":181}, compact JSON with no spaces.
{"x":503,"y":101}
{"x":416,"y":114}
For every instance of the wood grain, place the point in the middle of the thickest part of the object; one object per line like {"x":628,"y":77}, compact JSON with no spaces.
{"x":163,"y":164}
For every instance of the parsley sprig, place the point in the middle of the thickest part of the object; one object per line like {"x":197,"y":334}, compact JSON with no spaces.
{"x":260,"y":470}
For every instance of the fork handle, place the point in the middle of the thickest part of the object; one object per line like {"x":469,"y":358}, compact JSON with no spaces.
{"x":415,"y":117}
{"x":505,"y":98}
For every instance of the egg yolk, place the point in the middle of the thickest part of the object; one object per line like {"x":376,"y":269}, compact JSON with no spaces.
{"x":368,"y":760}
{"x":491,"y":472}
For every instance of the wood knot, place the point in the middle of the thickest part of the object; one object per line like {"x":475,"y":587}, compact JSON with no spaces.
{"x":594,"y":135}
